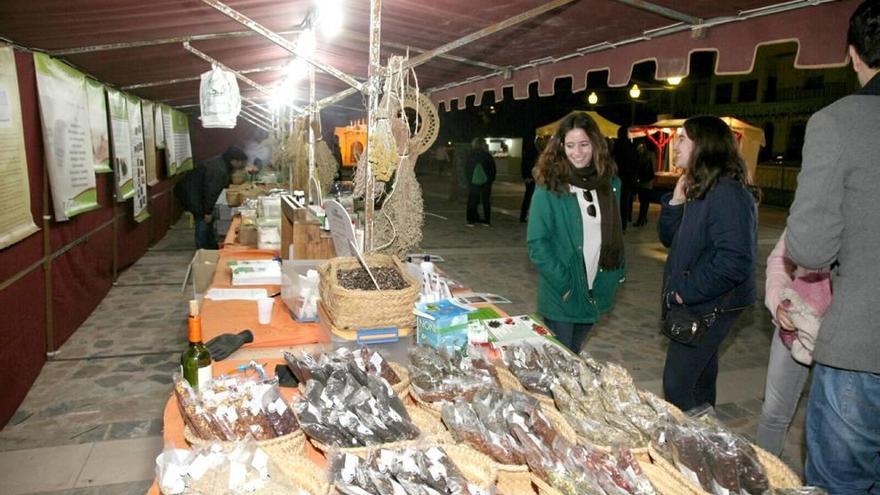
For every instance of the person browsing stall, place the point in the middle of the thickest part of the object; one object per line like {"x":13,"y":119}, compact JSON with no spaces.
{"x":709,"y":224}
{"x":574,"y":230}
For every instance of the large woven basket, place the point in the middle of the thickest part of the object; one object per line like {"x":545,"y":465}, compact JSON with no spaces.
{"x":290,"y":446}
{"x":505,"y":379}
{"x":352,"y":309}
{"x":401,"y":388}
{"x":431,"y":428}
{"x":778,"y":473}
{"x":306,"y":475}
{"x":477,"y":468}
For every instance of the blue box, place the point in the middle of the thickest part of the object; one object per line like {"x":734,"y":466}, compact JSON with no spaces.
{"x":442,"y":324}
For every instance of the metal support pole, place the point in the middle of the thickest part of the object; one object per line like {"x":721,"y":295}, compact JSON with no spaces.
{"x":313,"y":111}
{"x":168,"y":82}
{"x":662,"y":11}
{"x":255,"y":116}
{"x":282,"y":42}
{"x":441,"y":50}
{"x":374,"y":82}
{"x":47,"y":268}
{"x":492,"y":29}
{"x":244,"y":117}
{"x":161,"y":41}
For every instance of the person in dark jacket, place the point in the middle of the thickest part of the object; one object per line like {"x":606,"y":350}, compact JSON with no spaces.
{"x":480,"y":185}
{"x":199,"y":190}
{"x":574,"y":233}
{"x":644,"y":181}
{"x":526,"y":170}
{"x":626,"y":159}
{"x":709,"y":224}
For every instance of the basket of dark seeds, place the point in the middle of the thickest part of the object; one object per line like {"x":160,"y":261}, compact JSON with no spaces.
{"x":355,"y":298}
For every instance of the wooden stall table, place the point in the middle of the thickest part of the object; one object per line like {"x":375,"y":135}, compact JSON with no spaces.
{"x":233,"y":316}
{"x":172,"y":431}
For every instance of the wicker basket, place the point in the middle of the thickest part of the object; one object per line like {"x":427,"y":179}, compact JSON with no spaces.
{"x":401,"y":388}
{"x":505,"y":379}
{"x":306,"y":475}
{"x":778,"y":474}
{"x":352,"y":309}
{"x":289,"y":446}
{"x":476,"y":467}
{"x":430,"y":427}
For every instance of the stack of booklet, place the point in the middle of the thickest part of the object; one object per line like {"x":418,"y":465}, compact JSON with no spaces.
{"x":255,"y":272}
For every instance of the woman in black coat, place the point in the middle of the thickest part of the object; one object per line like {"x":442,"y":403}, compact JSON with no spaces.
{"x":709,"y":224}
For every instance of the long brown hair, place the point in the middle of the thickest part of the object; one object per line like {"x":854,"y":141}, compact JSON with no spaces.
{"x":552,"y":170}
{"x":715,"y":155}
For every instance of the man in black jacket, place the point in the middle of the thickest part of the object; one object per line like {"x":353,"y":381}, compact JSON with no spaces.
{"x":199,"y":190}
{"x":480,"y":182}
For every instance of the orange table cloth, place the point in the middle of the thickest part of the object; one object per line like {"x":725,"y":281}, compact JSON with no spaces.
{"x":172,"y":433}
{"x":219,"y":317}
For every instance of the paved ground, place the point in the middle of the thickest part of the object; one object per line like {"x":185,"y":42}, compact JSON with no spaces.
{"x":91,"y":423}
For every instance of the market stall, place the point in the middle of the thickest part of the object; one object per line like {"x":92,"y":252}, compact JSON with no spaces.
{"x":606,"y":127}
{"x":662,"y":133}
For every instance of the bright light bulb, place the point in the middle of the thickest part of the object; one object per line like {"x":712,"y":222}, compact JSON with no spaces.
{"x":674,"y":81}
{"x":634,"y":91}
{"x":593,"y":98}
{"x":282,"y":94}
{"x":296,"y":69}
{"x":306,"y":42}
{"x":330,"y":17}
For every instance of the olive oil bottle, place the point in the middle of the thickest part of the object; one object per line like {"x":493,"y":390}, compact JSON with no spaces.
{"x":195,"y":363}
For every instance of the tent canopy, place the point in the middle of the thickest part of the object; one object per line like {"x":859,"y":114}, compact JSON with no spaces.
{"x":606,"y":127}
{"x":750,"y":138}
{"x":138,"y":46}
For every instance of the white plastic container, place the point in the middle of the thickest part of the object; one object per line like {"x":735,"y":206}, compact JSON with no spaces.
{"x":270,"y":207}
{"x":299,"y":291}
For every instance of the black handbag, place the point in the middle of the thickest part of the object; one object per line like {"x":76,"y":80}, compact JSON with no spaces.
{"x":684,"y":327}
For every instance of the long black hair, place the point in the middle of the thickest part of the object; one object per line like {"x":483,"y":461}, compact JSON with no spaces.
{"x":715,"y":155}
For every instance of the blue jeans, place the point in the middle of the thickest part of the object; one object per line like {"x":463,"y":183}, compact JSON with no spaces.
{"x":843,"y":431}
{"x":205,"y":237}
{"x":786,"y":379}
{"x":690,"y":372}
{"x":571,"y":335}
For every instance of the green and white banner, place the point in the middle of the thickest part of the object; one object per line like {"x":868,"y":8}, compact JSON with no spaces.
{"x":178,"y":150}
{"x":67,"y":140}
{"x":149,"y":141}
{"x":120,"y":134}
{"x":98,"y":126}
{"x":159,"y":127}
{"x":138,"y":157}
{"x":16,"y":221}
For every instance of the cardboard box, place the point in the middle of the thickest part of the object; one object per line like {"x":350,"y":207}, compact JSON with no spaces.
{"x":201,"y":269}
{"x":442,"y":324}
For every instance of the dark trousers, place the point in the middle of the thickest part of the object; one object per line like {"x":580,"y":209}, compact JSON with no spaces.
{"x":477,"y":195}
{"x":527,"y":200}
{"x":627,"y":193}
{"x":571,"y":335}
{"x":644,"y":194}
{"x":205,"y":237}
{"x":691,"y":371}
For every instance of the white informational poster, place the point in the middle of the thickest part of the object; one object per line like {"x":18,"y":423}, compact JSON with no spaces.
{"x":98,"y":125}
{"x":120,"y":144}
{"x":159,"y":127}
{"x":16,"y":221}
{"x":178,"y":150}
{"x":138,"y":158}
{"x":149,"y":141}
{"x":67,"y":140}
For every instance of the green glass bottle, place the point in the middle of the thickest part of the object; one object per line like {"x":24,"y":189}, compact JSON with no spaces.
{"x":196,"y":364}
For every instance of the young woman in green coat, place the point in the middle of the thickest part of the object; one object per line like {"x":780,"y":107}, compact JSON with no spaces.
{"x":574,"y":233}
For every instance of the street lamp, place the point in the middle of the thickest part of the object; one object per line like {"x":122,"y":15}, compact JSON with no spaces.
{"x":634,"y":91}
{"x":674,"y":81}
{"x":593,"y":98}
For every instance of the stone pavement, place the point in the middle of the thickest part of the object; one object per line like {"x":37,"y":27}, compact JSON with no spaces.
{"x":91,"y":423}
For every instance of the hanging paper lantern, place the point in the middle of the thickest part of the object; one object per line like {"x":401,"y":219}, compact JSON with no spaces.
{"x":219,"y":98}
